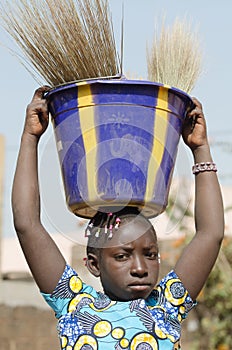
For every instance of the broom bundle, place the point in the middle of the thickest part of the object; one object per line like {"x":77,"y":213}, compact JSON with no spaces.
{"x":175,"y":57}
{"x":67,"y":40}
{"x":63,"y":40}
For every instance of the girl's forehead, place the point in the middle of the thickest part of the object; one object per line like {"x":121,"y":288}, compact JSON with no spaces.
{"x":128,"y":228}
{"x":131,"y":232}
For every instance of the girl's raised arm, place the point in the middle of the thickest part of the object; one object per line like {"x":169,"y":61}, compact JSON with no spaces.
{"x":199,"y":257}
{"x":42,"y":255}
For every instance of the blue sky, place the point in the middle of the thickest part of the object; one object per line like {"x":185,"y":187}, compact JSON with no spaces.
{"x":213,"y":89}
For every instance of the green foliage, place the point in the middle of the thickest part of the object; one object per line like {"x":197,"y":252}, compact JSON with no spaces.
{"x":216,"y":302}
{"x":214,"y":310}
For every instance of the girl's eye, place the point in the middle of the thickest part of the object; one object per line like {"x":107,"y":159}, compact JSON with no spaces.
{"x":121,"y":257}
{"x":153,"y":255}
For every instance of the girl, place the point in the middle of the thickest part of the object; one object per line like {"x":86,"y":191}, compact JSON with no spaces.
{"x":134,"y":312}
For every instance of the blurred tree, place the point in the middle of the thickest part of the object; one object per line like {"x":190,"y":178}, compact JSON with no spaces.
{"x":214,"y":311}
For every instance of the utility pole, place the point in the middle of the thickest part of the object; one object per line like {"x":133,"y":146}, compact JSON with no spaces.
{"x":2,"y":153}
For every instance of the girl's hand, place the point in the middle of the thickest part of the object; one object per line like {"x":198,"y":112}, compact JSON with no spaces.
{"x":194,"y":129}
{"x":37,"y":113}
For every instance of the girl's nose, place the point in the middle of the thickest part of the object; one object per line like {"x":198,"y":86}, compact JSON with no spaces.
{"x":139,"y":267}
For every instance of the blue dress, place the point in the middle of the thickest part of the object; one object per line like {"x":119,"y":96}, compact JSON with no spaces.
{"x":90,"y":320}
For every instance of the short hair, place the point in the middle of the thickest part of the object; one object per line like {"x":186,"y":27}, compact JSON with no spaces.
{"x":104,"y":225}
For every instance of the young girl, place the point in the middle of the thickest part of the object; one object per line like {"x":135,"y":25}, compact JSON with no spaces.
{"x":134,"y":312}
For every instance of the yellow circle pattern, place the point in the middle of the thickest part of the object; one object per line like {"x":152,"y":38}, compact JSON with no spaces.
{"x":144,"y":338}
{"x":160,"y":333}
{"x":124,"y":343}
{"x":118,"y":333}
{"x":170,"y":296}
{"x":75,"y":284}
{"x":77,"y":299}
{"x":64,"y":342}
{"x":85,"y":340}
{"x":102,"y":329}
{"x":103,"y":308}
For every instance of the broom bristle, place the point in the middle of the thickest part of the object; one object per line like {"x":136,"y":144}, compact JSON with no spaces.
{"x":63,"y":40}
{"x":175,"y":56}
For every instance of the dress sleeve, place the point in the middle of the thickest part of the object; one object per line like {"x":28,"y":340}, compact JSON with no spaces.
{"x":174,"y":297}
{"x":67,"y":288}
{"x":169,"y":304}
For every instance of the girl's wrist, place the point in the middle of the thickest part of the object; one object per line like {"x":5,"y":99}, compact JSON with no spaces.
{"x":202,"y":154}
{"x":29,"y":138}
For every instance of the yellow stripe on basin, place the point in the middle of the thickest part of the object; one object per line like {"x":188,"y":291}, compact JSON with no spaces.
{"x":88,"y":130}
{"x":160,"y":131}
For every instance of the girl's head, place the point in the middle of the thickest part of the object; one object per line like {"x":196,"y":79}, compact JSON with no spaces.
{"x":123,"y":251}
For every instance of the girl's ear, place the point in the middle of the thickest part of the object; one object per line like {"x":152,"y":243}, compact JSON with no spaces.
{"x":92,"y":264}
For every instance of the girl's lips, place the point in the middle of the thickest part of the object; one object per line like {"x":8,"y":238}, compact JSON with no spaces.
{"x":139,"y":287}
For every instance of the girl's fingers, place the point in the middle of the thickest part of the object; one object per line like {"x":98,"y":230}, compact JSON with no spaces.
{"x":39,"y":93}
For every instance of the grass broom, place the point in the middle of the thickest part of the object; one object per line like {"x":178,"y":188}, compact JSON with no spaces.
{"x":174,"y":57}
{"x":63,"y":40}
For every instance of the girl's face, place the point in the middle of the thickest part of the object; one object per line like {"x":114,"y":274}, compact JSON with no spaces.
{"x":128,"y":265}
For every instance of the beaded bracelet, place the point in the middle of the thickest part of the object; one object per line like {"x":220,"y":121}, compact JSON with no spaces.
{"x":201,"y":167}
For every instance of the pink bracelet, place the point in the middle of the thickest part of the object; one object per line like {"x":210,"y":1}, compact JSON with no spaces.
{"x":201,"y":167}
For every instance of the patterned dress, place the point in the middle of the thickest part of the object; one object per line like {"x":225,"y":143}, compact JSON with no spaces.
{"x":89,"y":320}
